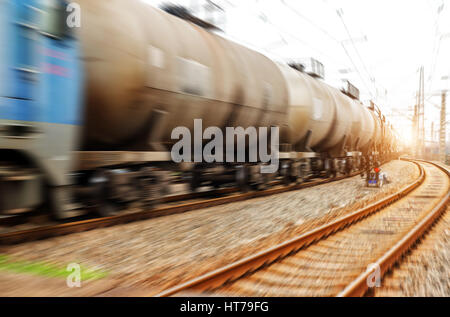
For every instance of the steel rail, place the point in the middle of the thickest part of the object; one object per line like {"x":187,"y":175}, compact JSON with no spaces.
{"x":359,"y":286}
{"x":238,"y":269}
{"x":11,"y":220}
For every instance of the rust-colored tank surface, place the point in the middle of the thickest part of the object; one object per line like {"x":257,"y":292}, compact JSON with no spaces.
{"x":376,"y":137}
{"x":311,"y":107}
{"x":331,"y":116}
{"x":342,"y":124}
{"x":113,"y":51}
{"x":367,"y":127}
{"x":148,"y":72}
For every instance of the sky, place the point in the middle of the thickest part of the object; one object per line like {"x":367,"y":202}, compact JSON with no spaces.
{"x":378,"y":45}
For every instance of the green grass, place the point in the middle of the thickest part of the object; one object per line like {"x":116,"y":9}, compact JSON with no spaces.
{"x":45,"y":269}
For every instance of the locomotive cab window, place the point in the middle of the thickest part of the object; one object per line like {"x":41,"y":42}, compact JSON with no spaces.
{"x":54,"y":19}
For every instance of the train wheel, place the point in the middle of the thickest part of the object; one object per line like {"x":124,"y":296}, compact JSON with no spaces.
{"x":264,"y":181}
{"x":358,"y":164}
{"x":259,"y":179}
{"x":328,"y":166}
{"x":286,"y":172}
{"x":57,"y":200}
{"x":195,"y":178}
{"x":103,"y":190}
{"x":333,"y":173}
{"x":147,"y":187}
{"x":301,"y":174}
{"x":348,"y":165}
{"x":242,"y":178}
{"x":162,"y":178}
{"x":215,"y":185}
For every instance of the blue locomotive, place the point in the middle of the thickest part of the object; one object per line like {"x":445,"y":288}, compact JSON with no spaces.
{"x":40,"y":102}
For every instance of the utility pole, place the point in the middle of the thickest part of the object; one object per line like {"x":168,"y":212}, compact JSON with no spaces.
{"x":432,"y":132}
{"x":442,"y":129}
{"x":415,"y":143}
{"x":420,"y":121}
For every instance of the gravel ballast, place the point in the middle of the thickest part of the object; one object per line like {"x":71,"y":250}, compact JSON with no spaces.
{"x":148,"y":256}
{"x":426,"y":270}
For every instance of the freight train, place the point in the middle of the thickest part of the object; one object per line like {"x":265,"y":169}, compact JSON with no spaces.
{"x":87,"y":114}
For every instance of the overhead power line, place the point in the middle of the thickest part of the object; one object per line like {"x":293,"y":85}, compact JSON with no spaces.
{"x":334,"y":39}
{"x":436,"y":45}
{"x":280,"y":31}
{"x":340,"y":14}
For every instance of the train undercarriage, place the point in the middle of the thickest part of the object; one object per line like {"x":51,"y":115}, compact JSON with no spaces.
{"x":107,"y":182}
{"x":108,"y":189}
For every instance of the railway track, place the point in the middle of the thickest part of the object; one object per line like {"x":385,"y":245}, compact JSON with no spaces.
{"x":339,"y":258}
{"x":424,"y":271}
{"x":12,"y":220}
{"x":199,"y":200}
